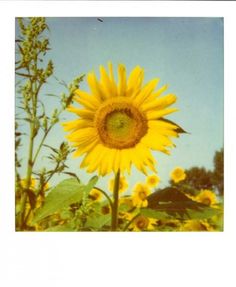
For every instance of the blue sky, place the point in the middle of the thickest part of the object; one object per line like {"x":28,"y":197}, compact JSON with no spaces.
{"x":186,"y":53}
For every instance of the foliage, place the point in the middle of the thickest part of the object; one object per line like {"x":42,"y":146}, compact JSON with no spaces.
{"x":32,"y":74}
{"x":198,"y":178}
{"x":218,"y":172}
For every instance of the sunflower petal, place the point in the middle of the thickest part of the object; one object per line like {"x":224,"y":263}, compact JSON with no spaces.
{"x":95,"y":87}
{"x":76,"y":124}
{"x":146,"y":91}
{"x":160,"y":103}
{"x":136,"y":78}
{"x":112,"y":79}
{"x":85,"y":114}
{"x":106,"y":84}
{"x":152,"y":115}
{"x":122,"y":80}
{"x":86,"y":97}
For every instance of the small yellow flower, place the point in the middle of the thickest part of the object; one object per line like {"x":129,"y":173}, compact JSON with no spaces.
{"x":126,"y":216}
{"x":127,"y":201}
{"x":178,"y":174}
{"x":143,"y":223}
{"x":123,"y":184}
{"x":206,"y":197}
{"x":152,"y":180}
{"x":140,"y":193}
{"x":95,"y":194}
{"x":196,"y":225}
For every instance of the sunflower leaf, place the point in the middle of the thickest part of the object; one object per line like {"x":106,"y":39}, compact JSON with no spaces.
{"x":60,"y":228}
{"x":97,"y":222}
{"x":205,"y":213}
{"x":174,"y":202}
{"x":148,"y":212}
{"x":67,"y":192}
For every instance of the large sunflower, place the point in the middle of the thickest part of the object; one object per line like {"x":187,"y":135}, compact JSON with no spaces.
{"x":119,"y":124}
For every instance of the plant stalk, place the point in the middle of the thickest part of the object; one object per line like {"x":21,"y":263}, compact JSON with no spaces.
{"x":28,"y":177}
{"x":114,"y":218}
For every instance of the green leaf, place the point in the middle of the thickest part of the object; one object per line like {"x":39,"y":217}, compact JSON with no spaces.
{"x":97,"y":222}
{"x":64,"y":194}
{"x":204,"y":213}
{"x":148,"y":212}
{"x":59,"y":228}
{"x":72,"y":174}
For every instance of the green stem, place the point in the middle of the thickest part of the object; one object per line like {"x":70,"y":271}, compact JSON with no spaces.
{"x":28,"y":176}
{"x":132,"y":220}
{"x":114,"y":218}
{"x":105,"y":194}
{"x":40,"y":146}
{"x":44,"y":138}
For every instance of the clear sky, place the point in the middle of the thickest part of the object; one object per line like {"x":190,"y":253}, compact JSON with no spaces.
{"x":186,"y":53}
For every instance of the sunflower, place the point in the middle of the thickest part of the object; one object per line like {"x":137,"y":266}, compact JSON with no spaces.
{"x":123,"y":184}
{"x":143,"y":223}
{"x":120,"y":123}
{"x":126,"y":201}
{"x":140,"y":193}
{"x":152,"y":180}
{"x":206,"y":197}
{"x":196,"y":225}
{"x":178,"y":174}
{"x":95,"y":194}
{"x":106,"y":209}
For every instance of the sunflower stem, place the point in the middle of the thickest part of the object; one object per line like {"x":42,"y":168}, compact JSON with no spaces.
{"x":114,"y":218}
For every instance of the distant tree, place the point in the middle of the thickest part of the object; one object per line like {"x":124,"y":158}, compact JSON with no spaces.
{"x":197,"y":178}
{"x":218,"y":173}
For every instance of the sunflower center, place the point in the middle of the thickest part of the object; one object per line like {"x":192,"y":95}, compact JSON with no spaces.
{"x":206,"y":201}
{"x":119,"y":124}
{"x":142,"y":222}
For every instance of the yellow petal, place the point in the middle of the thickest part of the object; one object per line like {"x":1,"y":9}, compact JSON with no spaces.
{"x":112,"y":79}
{"x":86,"y":114}
{"x":86,"y":97}
{"x":135,"y":79}
{"x":122,"y":80}
{"x":159,"y":128}
{"x":81,"y":135}
{"x":152,"y":115}
{"x":106,"y":84}
{"x":94,"y":87}
{"x":160,"y":91}
{"x":77,"y":124}
{"x":160,"y":103}
{"x":116,"y":165}
{"x":146,"y":91}
{"x":156,"y":141}
{"x":84,"y":148}
{"x":103,"y":160}
{"x":125,"y":160}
